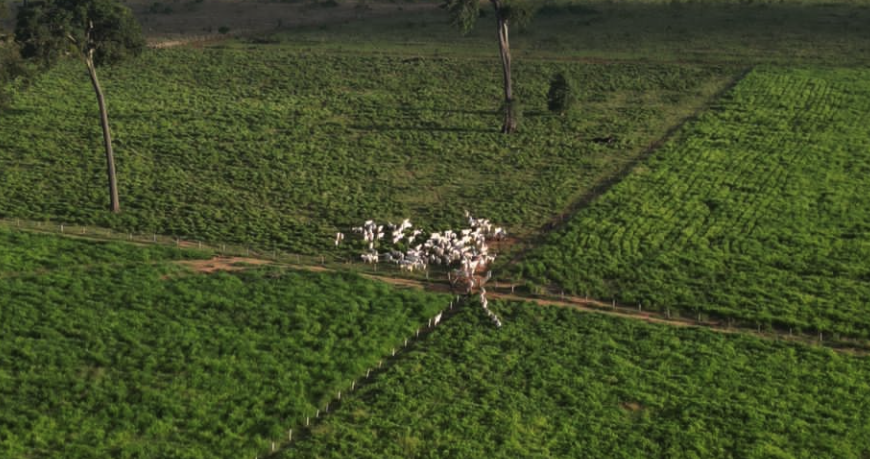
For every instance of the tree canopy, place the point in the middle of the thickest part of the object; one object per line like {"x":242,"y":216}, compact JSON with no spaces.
{"x":103,"y":29}
{"x":464,"y":13}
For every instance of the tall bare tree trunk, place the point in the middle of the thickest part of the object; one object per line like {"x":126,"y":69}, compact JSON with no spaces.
{"x":114,"y":201}
{"x":509,"y":124}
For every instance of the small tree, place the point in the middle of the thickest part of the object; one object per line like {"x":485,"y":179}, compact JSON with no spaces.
{"x":100,"y":32}
{"x":464,"y":14}
{"x":560,"y":97}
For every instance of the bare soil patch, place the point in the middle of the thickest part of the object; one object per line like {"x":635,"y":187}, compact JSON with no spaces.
{"x":223,"y":264}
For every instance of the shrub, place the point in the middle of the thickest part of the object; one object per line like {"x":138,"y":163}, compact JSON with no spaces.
{"x":560,"y":97}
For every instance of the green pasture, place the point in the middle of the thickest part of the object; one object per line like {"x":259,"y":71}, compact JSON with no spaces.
{"x":557,"y":383}
{"x":758,"y":211}
{"x":153,"y":360}
{"x":282,"y":148}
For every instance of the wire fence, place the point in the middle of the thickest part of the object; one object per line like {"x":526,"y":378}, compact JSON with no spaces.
{"x":327,"y":259}
{"x":435,"y":276}
{"x":704,"y":318}
{"x":303,"y":427}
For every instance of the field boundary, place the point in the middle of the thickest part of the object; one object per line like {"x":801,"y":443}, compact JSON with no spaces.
{"x":496,"y":290}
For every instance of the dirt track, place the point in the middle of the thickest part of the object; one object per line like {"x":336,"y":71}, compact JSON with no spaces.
{"x":573,"y":302}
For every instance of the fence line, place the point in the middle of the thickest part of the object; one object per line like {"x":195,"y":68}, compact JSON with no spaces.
{"x":303,"y":428}
{"x":333,"y":260}
{"x":776,"y":329}
{"x":690,"y":316}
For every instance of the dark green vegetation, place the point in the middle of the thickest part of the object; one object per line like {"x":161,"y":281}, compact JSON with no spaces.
{"x":12,"y":67}
{"x":740,"y":31}
{"x":154,"y":360}
{"x":557,"y":383}
{"x":99,"y":31}
{"x":758,"y":211}
{"x":273,"y":146}
{"x":560,"y":96}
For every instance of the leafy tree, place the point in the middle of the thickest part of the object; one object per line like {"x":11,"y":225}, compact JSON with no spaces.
{"x":99,"y":31}
{"x":464,"y":14}
{"x":561,"y":94}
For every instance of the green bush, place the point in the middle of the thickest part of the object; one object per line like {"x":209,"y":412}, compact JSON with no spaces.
{"x":561,"y":95}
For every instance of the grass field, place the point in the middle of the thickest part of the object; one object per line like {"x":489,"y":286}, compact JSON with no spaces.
{"x":276,"y":147}
{"x":557,"y":383}
{"x":757,"y":211}
{"x":758,"y":31}
{"x":120,"y":358}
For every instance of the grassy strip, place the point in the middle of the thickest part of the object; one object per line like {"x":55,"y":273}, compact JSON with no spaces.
{"x":27,"y":252}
